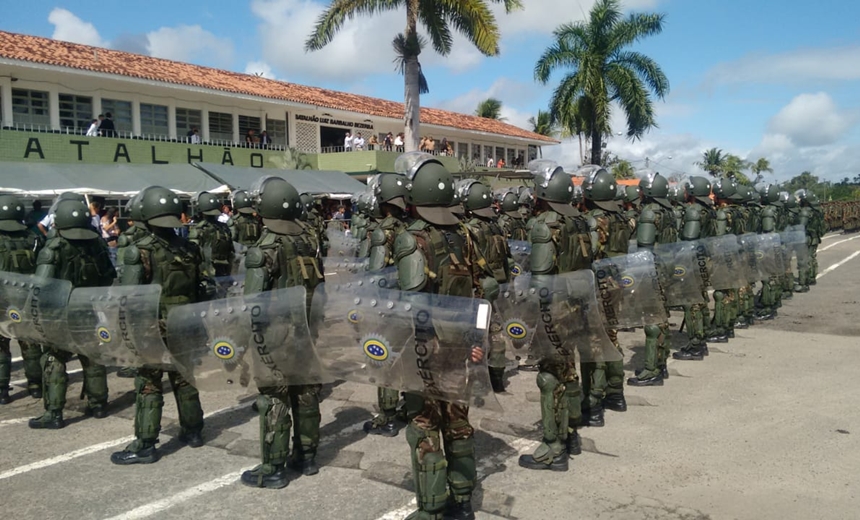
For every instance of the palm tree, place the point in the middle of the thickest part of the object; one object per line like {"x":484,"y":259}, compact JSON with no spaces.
{"x":543,"y":124}
{"x":623,"y":170}
{"x":733,"y":168}
{"x":713,"y":161}
{"x":472,"y":18}
{"x":490,"y":108}
{"x":604,"y":71}
{"x":759,"y":167}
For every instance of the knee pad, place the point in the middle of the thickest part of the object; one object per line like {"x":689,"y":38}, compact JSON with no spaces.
{"x":547,"y":382}
{"x":719,"y":296}
{"x":462,"y":468}
{"x":652,"y":331}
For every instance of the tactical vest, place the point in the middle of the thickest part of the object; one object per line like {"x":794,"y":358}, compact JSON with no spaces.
{"x":391,"y":226}
{"x":175,"y":265}
{"x":247,"y":229}
{"x":514,"y":228}
{"x":84,"y":263}
{"x":667,"y":227}
{"x":492,"y":246}
{"x":18,"y":251}
{"x":737,"y":220}
{"x":215,"y":239}
{"x":754,"y":218}
{"x":572,"y":240}
{"x":295,"y":258}
{"x":613,"y":231}
{"x":446,"y":255}
{"x":708,"y":220}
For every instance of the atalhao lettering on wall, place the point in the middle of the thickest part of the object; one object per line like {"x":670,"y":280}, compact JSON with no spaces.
{"x":335,"y":122}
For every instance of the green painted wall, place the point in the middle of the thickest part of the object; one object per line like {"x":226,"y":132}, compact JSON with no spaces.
{"x":370,"y":162}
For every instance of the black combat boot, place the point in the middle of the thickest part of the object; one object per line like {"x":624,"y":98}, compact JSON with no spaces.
{"x":497,"y":379}
{"x":638,"y":380}
{"x":35,"y":392}
{"x":690,"y":353}
{"x":529,"y":364}
{"x":138,"y":452}
{"x":459,"y":511}
{"x":741,"y":323}
{"x":127,"y":372}
{"x":574,"y":443}
{"x":615,"y":402}
{"x":593,"y":416}
{"x":48,"y":421}
{"x":97,"y":411}
{"x":558,"y":463}
{"x":718,"y":338}
{"x":194,"y":439}
{"x":306,"y":467}
{"x":382,"y":425}
{"x":4,"y":396}
{"x":277,"y":479}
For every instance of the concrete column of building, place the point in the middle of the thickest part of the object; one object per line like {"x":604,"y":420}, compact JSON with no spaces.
{"x":291,"y":129}
{"x":135,"y":116}
{"x":6,"y":98}
{"x":171,"y":118}
{"x":204,"y":122}
{"x":236,"y":137}
{"x":54,"y":106}
{"x":97,"y":104}
{"x":262,"y":119}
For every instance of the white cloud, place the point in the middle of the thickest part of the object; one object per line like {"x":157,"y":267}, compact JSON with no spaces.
{"x":811,"y":120}
{"x":260,"y":68}
{"x":543,"y":16}
{"x":510,"y":92}
{"x":70,"y":28}
{"x":189,"y":43}
{"x":798,"y":66}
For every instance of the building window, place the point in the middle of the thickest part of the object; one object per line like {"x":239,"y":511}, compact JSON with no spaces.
{"x":249,"y":123}
{"x":187,"y":119}
{"x":276,"y":129}
{"x":488,"y":154}
{"x":532,"y":153}
{"x":120,"y":111}
{"x":153,"y":120}
{"x":30,"y":107}
{"x":221,"y":126}
{"x":463,"y":151}
{"x":76,"y":112}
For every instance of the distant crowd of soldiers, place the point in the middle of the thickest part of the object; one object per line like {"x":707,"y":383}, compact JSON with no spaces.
{"x":842,"y":214}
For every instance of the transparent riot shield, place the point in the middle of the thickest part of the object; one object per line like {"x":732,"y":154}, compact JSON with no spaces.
{"x":725,"y":266}
{"x":118,"y":325}
{"x":229,"y":286}
{"x":237,"y":268}
{"x":518,"y":312}
{"x":794,"y":241}
{"x":569,"y":321}
{"x":34,"y":309}
{"x":682,"y":267}
{"x":236,"y":344}
{"x":632,"y":245}
{"x":414,"y":342}
{"x":521,"y":252}
{"x":629,"y":291}
{"x":341,"y":243}
{"x":341,"y":269}
{"x":767,"y":249}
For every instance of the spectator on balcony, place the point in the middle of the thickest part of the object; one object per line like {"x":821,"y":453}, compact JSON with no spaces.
{"x":265,"y":140}
{"x":501,"y":163}
{"x":398,"y":143}
{"x":93,"y":130}
{"x":358,"y":142}
{"x":110,"y":231}
{"x":490,"y":162}
{"x":431,"y":145}
{"x":251,"y":140}
{"x":373,"y":142}
{"x":193,"y":135}
{"x":443,"y":146}
{"x":347,"y":142}
{"x":388,"y":142}
{"x":106,"y":127}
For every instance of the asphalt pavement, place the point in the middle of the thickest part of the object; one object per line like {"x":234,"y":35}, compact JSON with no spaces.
{"x":765,"y":427}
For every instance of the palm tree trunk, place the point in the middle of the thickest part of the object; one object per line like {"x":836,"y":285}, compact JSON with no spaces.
{"x":596,"y":144}
{"x":412,"y":93}
{"x":581,"y":156}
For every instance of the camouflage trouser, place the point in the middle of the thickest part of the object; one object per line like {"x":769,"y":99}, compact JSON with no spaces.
{"x":725,"y":311}
{"x":812,"y":270}
{"x":150,"y":401}
{"x":656,"y":350}
{"x":55,"y":380}
{"x":697,"y":318}
{"x":746,"y":301}
{"x":603,"y":378}
{"x":275,"y":405}
{"x":31,"y":353}
{"x":770,"y":296}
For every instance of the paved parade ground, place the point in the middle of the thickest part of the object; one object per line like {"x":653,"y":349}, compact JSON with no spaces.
{"x":765,"y":428}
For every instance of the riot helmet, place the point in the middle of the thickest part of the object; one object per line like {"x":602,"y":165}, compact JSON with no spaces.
{"x":633,"y":194}
{"x":391,"y":188}
{"x":789,"y":200}
{"x":73,"y":221}
{"x":11,"y":214}
{"x":208,"y":204}
{"x":769,"y":193}
{"x":698,"y":188}
{"x":601,"y":188}
{"x":160,"y":207}
{"x":477,"y":198}
{"x":725,"y":189}
{"x":242,"y":202}
{"x":553,"y":185}
{"x":278,"y":204}
{"x":307,"y":202}
{"x":655,"y":186}
{"x":431,"y":187}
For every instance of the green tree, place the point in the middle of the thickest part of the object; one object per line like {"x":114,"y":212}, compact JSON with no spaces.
{"x":603,"y":71}
{"x":490,"y":108}
{"x":713,"y":161}
{"x":471,"y":18}
{"x":543,"y":124}
{"x":623,"y":170}
{"x":733,"y":168}
{"x":759,"y":167}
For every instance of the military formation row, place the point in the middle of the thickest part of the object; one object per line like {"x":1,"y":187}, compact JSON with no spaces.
{"x":842,"y":214}
{"x":432,"y":293}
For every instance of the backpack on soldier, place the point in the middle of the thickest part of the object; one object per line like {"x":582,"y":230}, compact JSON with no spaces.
{"x":18,"y":252}
{"x":86,"y":263}
{"x":449,"y":271}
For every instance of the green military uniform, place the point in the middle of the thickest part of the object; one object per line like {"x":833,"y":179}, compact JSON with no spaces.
{"x":786,"y":216}
{"x":656,"y":225}
{"x":770,"y":295}
{"x":677,"y":199}
{"x":19,"y":248}
{"x":493,"y":262}
{"x":245,"y":227}
{"x":164,"y":258}
{"x":729,"y":221}
{"x":819,"y":229}
{"x":561,"y":243}
{"x":511,"y":220}
{"x":603,"y":382}
{"x":285,"y":256}
{"x":311,"y":216}
{"x":214,"y":238}
{"x":389,"y":192}
{"x":79,"y":255}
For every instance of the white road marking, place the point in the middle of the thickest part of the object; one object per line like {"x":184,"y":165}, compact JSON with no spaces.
{"x":158,"y":506}
{"x":834,"y":244}
{"x":19,"y":420}
{"x":401,"y":512}
{"x":837,"y":264}
{"x":21,"y":382}
{"x":17,"y":359}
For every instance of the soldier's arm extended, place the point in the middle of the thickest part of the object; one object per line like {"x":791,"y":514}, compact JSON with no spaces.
{"x":46,"y":262}
{"x":768,"y":219}
{"x":412,"y":271}
{"x":543,"y":248}
{"x":722,"y":222}
{"x":646,"y":229}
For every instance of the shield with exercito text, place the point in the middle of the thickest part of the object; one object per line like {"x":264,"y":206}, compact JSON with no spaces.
{"x":629,"y":291}
{"x":34,"y":309}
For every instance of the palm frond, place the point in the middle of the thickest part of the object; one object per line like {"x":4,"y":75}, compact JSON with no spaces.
{"x":433,"y":18}
{"x":332,"y":19}
{"x":490,"y":108}
{"x":406,"y":48}
{"x":558,"y":55}
{"x":510,"y":5}
{"x":647,"y":70}
{"x":474,"y":20}
{"x":635,"y":27}
{"x":629,"y":92}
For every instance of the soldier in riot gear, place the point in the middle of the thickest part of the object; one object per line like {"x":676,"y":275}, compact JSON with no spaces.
{"x":164,"y":258}
{"x":311,"y":216}
{"x":510,"y":218}
{"x":819,"y":229}
{"x":806,"y":217}
{"x":390,"y":192}
{"x":493,"y":260}
{"x":19,"y":248}
{"x":285,"y":256}
{"x":656,"y":225}
{"x":214,"y":238}
{"x":729,"y":221}
{"x":77,"y":254}
{"x":433,"y":256}
{"x":128,"y":237}
{"x":561,"y":242}
{"x":678,"y":200}
{"x":245,"y":226}
{"x":603,"y":383}
{"x":770,"y":295}
{"x":787,"y":216}
{"x":632,"y":202}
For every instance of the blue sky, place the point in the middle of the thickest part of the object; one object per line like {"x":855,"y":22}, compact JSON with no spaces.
{"x":777,"y":79}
